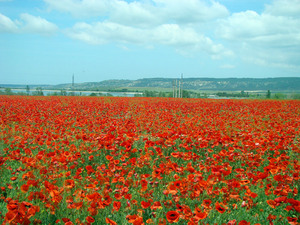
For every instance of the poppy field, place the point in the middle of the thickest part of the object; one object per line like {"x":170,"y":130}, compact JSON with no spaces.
{"x":112,"y":160}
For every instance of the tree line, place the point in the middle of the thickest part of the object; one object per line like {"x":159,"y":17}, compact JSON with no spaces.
{"x":38,"y":91}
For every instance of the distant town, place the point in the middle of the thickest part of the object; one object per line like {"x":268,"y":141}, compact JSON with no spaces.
{"x":278,"y":88}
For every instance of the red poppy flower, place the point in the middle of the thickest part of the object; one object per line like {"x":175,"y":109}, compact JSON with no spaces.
{"x":156,"y":205}
{"x":201,"y":215}
{"x":145,"y":205}
{"x":271,"y":217}
{"x":11,"y":215}
{"x":90,"y":219}
{"x":244,"y":182}
{"x":172,"y":216}
{"x":272,"y":203}
{"x":24,"y":188}
{"x":69,"y":223}
{"x":244,"y":222}
{"x":69,"y":183}
{"x":109,"y":221}
{"x":149,"y":221}
{"x":292,"y":219}
{"x":65,"y":220}
{"x":206,"y":203}
{"x":280,"y":199}
{"x":162,"y":221}
{"x":117,"y":205}
{"x":144,"y":184}
{"x":219,"y":208}
{"x":135,"y":219}
{"x":231,"y":222}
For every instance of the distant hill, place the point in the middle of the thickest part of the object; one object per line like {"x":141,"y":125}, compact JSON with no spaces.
{"x":205,"y":84}
{"x":197,"y":84}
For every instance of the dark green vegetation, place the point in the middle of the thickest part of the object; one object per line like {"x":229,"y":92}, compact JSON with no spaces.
{"x":271,"y":88}
{"x":196,"y":84}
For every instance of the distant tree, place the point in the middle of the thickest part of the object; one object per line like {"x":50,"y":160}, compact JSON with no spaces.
{"x":149,"y":93}
{"x":268,"y":94}
{"x":93,"y":94}
{"x":63,"y":92}
{"x":27,"y":90}
{"x":280,"y":96}
{"x":8,"y":91}
{"x":186,"y":94}
{"x":222,"y":94}
{"x":169,"y":94}
{"x":161,"y":94}
{"x":54,"y":94}
{"x":295,"y":96}
{"x":38,"y":92}
{"x":244,"y":94}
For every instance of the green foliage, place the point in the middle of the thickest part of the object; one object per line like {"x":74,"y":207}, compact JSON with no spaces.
{"x":63,"y":92}
{"x":280,"y":96}
{"x":38,"y":92}
{"x":162,"y":94}
{"x":295,"y":96}
{"x":242,"y":94}
{"x":147,"y":93}
{"x":8,"y":91}
{"x":186,"y":94}
{"x":54,"y":94}
{"x":207,"y":84}
{"x":268,"y":94}
{"x":27,"y":90}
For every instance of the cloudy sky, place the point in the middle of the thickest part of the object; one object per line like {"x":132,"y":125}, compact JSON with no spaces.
{"x":47,"y":41}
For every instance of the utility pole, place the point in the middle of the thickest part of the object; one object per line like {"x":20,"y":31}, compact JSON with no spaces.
{"x":181,"y":85}
{"x":173,"y":85}
{"x":176,"y":89}
{"x":179,"y":89}
{"x":73,"y":81}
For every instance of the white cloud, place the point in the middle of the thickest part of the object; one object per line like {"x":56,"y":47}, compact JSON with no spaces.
{"x":227,"y":66}
{"x":254,"y":27}
{"x":142,"y":12}
{"x":27,"y":24}
{"x":80,"y":8}
{"x":289,"y":8}
{"x":33,"y":24}
{"x":190,"y":11}
{"x":151,"y":22}
{"x":182,"y":39}
{"x":135,"y":14}
{"x":104,"y":32}
{"x":271,"y":57}
{"x":7,"y":25}
{"x":271,"y":38}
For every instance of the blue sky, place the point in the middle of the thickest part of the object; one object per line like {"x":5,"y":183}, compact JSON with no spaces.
{"x":47,"y":41}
